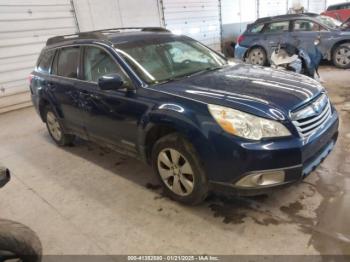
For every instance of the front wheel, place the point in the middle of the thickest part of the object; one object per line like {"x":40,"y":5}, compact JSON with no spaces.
{"x":179,"y":169}
{"x":19,"y":242}
{"x":341,"y":56}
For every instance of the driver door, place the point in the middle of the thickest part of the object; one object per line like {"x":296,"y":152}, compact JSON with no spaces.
{"x":112,"y":115}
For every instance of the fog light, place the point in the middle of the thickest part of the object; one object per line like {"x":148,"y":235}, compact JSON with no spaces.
{"x":262,"y":179}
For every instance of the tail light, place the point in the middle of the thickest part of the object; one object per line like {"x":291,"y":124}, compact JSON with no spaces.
{"x":30,"y":78}
{"x":240,"y":39}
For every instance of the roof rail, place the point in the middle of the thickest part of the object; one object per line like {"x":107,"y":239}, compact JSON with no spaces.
{"x":269,"y":18}
{"x":144,"y":29}
{"x":101,"y":34}
{"x":84,"y":35}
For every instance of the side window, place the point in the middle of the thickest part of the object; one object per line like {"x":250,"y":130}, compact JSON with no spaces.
{"x":306,"y":26}
{"x":256,"y":28}
{"x":277,"y":27}
{"x":45,"y":61}
{"x":98,"y":63}
{"x":66,"y":62}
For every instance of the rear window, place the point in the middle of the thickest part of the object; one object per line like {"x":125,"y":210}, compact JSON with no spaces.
{"x":277,"y":27}
{"x":256,"y":28}
{"x":66,"y":62}
{"x":45,"y":61}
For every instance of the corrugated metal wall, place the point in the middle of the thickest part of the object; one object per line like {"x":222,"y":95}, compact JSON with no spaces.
{"x":24,"y":28}
{"x":97,"y":14}
{"x":271,"y":7}
{"x":199,"y":19}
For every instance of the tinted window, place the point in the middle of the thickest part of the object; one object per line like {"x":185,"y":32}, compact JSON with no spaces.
{"x":98,"y":63}
{"x":305,"y":25}
{"x":66,"y":62}
{"x":332,"y":8}
{"x":256,"y":28}
{"x":277,"y":27}
{"x":45,"y":61}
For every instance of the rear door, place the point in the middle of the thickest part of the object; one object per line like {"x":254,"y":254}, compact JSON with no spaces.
{"x":275,"y":33}
{"x":63,"y":88}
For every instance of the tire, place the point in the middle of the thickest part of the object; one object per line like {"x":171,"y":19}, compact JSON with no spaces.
{"x":257,"y":56}
{"x":20,"y":241}
{"x":341,"y":56}
{"x":191,"y":186}
{"x":55,"y":129}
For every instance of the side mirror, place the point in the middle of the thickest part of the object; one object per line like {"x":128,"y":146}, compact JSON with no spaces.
{"x":4,"y":176}
{"x":111,"y":82}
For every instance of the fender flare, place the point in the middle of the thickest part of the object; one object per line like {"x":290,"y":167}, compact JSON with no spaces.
{"x":176,"y":121}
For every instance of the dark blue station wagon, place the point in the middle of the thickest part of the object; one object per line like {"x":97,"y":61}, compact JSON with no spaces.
{"x":203,"y":124}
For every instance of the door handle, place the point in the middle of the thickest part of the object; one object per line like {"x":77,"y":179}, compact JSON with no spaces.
{"x":86,"y":94}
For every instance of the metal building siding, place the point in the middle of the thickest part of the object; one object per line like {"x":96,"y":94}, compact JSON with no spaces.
{"x":24,"y":29}
{"x":199,"y":19}
{"x":272,"y":7}
{"x":97,"y":14}
{"x":317,"y":6}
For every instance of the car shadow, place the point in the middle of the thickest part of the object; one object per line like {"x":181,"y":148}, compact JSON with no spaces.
{"x":282,"y":206}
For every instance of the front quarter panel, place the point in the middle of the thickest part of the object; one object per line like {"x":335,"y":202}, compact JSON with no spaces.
{"x":189,"y":118}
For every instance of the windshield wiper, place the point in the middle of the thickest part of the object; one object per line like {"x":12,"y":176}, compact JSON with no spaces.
{"x":204,"y":70}
{"x":179,"y":77}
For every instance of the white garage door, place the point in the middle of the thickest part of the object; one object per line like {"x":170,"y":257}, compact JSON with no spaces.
{"x":272,"y":8}
{"x":24,"y":29}
{"x":198,"y":19}
{"x":317,"y":6}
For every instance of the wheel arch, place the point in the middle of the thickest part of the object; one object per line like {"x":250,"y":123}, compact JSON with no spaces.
{"x":156,"y":127}
{"x":257,"y":46}
{"x":335,"y":45}
{"x":43,"y":103}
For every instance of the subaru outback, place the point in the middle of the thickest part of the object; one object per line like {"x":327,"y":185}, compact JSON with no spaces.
{"x":203,"y":124}
{"x":262,"y":37}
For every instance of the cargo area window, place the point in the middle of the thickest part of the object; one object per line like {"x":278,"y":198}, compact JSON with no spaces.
{"x":45,"y":61}
{"x":66,"y":62}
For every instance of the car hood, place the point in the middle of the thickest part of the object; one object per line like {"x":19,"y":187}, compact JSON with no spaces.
{"x":259,"y":90}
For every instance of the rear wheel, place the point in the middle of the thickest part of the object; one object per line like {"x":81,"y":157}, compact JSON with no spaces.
{"x":341,"y":56}
{"x":257,"y":56}
{"x":178,"y":167}
{"x":55,"y":129}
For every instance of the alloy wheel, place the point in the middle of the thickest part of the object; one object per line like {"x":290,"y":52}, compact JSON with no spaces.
{"x":54,"y":126}
{"x":342,"y":56}
{"x":175,"y":171}
{"x":257,"y":57}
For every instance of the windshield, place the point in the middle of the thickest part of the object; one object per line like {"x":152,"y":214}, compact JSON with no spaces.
{"x":170,"y":58}
{"x":329,"y":21}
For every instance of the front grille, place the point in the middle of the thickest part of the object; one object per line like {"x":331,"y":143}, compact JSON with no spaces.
{"x":312,"y":117}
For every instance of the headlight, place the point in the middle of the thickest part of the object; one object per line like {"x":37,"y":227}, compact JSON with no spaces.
{"x":246,"y":125}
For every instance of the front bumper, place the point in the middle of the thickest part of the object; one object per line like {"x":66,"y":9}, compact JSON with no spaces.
{"x":295,"y":158}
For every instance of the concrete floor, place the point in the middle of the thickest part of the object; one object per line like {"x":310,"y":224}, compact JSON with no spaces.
{"x":88,"y":200}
